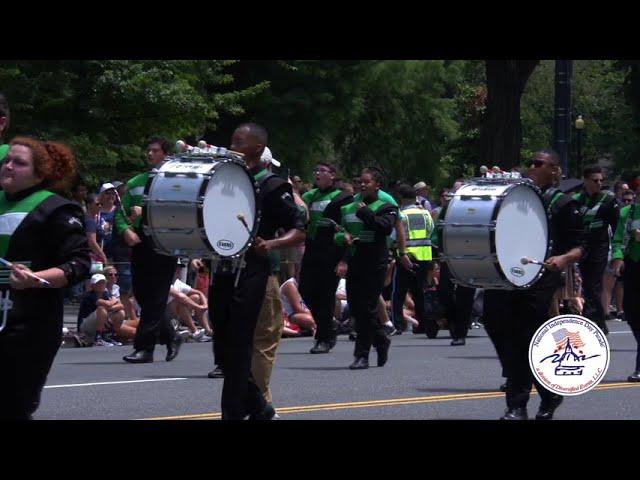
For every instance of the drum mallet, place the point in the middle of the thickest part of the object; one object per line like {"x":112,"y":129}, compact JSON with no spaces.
{"x":240,"y":217}
{"x":525,"y":261}
{"x":26,"y":272}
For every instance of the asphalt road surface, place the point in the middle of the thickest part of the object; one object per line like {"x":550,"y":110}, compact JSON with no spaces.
{"x":423,"y":380}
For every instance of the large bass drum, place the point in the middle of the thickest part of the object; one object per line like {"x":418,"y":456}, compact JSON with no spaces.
{"x":192,"y":206}
{"x":488,"y":227}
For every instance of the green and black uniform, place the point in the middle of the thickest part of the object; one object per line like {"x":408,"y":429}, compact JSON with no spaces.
{"x":367,"y":259}
{"x":42,"y":228}
{"x":626,"y":247}
{"x":318,"y":280}
{"x":515,"y":315}
{"x":599,"y":213}
{"x":235,"y":310}
{"x":152,"y":273}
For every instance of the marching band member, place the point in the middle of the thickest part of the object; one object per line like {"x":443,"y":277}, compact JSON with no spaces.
{"x":39,"y":226}
{"x":367,"y":225}
{"x":152,"y":273}
{"x":522,"y":312}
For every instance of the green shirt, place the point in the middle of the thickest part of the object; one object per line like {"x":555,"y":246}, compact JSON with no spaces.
{"x":132,"y":198}
{"x":624,"y":242}
{"x":4,"y":149}
{"x":382,"y":195}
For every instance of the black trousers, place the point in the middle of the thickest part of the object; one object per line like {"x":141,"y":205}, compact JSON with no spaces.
{"x":631,"y":301}
{"x":235,"y":314}
{"x":318,"y":284}
{"x":364,"y":285}
{"x":591,"y":273}
{"x":410,"y":281}
{"x":152,"y":275}
{"x":25,"y":361}
{"x":525,"y":311}
{"x":457,"y":302}
{"x":495,"y":318}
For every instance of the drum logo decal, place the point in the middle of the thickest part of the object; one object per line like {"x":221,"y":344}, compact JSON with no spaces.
{"x":176,"y":187}
{"x":225,"y":244}
{"x":517,"y":271}
{"x":569,"y":355}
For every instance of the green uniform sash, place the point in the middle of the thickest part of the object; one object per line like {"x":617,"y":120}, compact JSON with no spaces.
{"x":13,"y":213}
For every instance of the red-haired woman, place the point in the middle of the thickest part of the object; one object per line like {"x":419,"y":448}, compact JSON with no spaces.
{"x":44,"y":229}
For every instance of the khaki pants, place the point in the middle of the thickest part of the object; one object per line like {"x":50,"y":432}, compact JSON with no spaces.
{"x":267,"y":337}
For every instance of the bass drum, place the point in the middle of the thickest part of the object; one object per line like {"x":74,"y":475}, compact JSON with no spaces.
{"x":488,"y":227}
{"x":192,"y":206}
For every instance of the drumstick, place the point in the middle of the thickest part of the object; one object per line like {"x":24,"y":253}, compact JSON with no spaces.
{"x":240,"y":217}
{"x":525,"y":261}
{"x":26,"y":272}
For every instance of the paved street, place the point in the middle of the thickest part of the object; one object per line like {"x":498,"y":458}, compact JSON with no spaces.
{"x":424,"y":380}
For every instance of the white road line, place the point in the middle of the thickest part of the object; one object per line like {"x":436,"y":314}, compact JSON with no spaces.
{"x":613,"y":333}
{"x":114,"y":383}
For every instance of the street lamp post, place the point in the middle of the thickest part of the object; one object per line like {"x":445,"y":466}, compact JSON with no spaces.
{"x":579,"y":127}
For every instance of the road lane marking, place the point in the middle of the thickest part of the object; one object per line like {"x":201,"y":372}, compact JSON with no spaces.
{"x":383,"y":403}
{"x":115,"y":383}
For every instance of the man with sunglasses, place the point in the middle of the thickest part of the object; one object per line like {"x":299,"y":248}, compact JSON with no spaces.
{"x":318,"y":279}
{"x":517,"y":314}
{"x":599,"y":211}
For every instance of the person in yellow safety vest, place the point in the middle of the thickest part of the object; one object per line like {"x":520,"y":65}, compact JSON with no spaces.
{"x":413,"y":261}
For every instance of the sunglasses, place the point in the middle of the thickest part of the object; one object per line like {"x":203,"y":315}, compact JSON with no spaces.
{"x":538,"y":163}
{"x":322,"y":170}
{"x":627,"y":200}
{"x":112,"y":274}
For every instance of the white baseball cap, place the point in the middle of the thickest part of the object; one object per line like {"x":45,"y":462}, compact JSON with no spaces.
{"x":267,"y":157}
{"x":97,"y":277}
{"x":107,"y":186}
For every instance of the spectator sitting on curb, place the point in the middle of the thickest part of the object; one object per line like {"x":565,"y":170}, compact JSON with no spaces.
{"x":125,"y":330}
{"x":293,"y":305}
{"x":182,"y":301}
{"x":96,"y":308}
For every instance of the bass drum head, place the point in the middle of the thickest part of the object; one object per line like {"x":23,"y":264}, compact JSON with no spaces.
{"x":229,"y":192}
{"x":521,"y":231}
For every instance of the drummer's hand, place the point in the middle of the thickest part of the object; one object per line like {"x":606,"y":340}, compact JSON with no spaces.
{"x":196,"y":264}
{"x":348,"y":240}
{"x":406,"y":262}
{"x":19,"y":280}
{"x":131,"y":238}
{"x":361,"y":205}
{"x":135,"y":213}
{"x":262,"y":246}
{"x":341,"y":269}
{"x":617,"y":266}
{"x":637,"y":234}
{"x":555,"y":264}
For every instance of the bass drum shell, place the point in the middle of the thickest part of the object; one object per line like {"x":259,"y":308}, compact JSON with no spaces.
{"x":191,"y":208}
{"x":488,"y":228}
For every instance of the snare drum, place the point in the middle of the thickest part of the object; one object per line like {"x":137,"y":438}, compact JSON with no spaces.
{"x":489,"y":226}
{"x":192,"y":205}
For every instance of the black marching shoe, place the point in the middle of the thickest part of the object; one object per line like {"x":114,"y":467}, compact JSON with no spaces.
{"x":634,"y":377}
{"x":545,"y":412}
{"x":173,"y":347}
{"x":515,"y":414}
{"x":139,"y":356}
{"x":216,"y":373}
{"x":267,"y":413}
{"x":360,"y":363}
{"x":383,"y":351}
{"x":503,"y":387}
{"x":458,"y":341}
{"x":320,"y":347}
